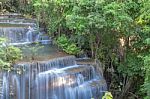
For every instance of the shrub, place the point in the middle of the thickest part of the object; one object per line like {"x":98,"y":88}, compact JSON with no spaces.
{"x":8,"y":55}
{"x":67,"y":45}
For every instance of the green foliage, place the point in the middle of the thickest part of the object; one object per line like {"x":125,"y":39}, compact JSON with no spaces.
{"x":97,"y":26}
{"x":144,"y":22}
{"x":147,"y":76}
{"x":107,"y":95}
{"x":132,"y":65}
{"x":21,"y":6}
{"x":3,"y":1}
{"x":67,"y":45}
{"x":8,"y":55}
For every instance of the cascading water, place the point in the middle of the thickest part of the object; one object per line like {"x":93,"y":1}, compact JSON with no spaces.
{"x":21,"y":31}
{"x":57,"y":78}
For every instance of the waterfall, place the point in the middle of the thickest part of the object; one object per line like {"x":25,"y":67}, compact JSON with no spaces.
{"x":43,"y":39}
{"x":74,"y":82}
{"x":14,"y":35}
{"x":23,"y":35}
{"x":29,"y":35}
{"x":22,"y":32}
{"x":57,"y":78}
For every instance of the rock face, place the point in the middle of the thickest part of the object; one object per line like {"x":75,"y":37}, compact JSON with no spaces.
{"x":57,"y":78}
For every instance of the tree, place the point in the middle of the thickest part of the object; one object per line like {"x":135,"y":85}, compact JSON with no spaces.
{"x":144,"y":22}
{"x":114,"y":31}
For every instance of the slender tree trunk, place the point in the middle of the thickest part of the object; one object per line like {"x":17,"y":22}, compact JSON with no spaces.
{"x":97,"y":47}
{"x":126,"y":88}
{"x":91,"y":45}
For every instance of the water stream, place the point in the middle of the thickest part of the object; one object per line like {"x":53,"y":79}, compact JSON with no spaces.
{"x":51,"y":75}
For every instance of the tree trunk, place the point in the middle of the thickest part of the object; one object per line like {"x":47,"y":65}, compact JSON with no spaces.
{"x":126,"y":89}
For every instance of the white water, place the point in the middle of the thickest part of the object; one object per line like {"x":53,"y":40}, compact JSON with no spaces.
{"x":59,"y":78}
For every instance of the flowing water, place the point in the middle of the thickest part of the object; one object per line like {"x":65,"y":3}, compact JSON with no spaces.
{"x":50,"y":74}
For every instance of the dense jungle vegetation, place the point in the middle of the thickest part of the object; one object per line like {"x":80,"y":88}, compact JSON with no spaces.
{"x":117,"y":32}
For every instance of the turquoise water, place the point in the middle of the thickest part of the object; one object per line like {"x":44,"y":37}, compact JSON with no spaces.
{"x":39,"y":52}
